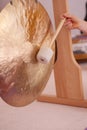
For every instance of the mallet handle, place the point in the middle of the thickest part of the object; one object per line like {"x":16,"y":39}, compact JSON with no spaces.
{"x":57,"y":31}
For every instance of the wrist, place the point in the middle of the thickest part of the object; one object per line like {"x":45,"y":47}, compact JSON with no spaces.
{"x":83,"y":26}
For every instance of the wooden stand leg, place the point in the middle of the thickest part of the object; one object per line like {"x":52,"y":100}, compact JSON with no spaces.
{"x":68,"y":76}
{"x":67,"y":72}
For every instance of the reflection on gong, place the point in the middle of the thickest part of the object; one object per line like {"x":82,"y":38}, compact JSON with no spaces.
{"x":24,"y":27}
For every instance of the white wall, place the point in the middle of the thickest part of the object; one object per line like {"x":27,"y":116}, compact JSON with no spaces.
{"x":3,"y":3}
{"x":48,"y":5}
{"x":77,"y":7}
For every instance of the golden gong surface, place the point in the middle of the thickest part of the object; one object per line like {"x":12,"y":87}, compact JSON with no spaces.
{"x":24,"y":27}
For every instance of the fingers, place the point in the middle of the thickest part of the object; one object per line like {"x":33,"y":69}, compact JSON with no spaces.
{"x":66,"y":15}
{"x":68,"y":25}
{"x":71,"y":22}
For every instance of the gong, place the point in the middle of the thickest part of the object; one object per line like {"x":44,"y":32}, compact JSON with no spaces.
{"x":24,"y":27}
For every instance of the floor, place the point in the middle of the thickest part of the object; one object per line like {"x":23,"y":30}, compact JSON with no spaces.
{"x":43,"y":116}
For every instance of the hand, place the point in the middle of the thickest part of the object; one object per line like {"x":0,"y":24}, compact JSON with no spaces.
{"x":72,"y":22}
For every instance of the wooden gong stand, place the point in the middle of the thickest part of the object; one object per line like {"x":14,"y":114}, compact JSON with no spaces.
{"x":67,"y":73}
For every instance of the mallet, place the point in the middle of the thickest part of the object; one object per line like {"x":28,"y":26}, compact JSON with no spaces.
{"x":45,"y":53}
